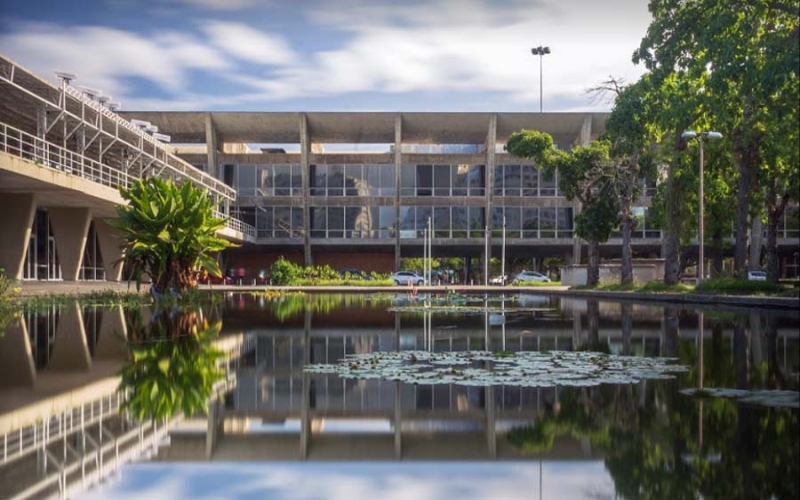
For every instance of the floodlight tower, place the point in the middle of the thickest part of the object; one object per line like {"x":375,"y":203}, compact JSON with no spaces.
{"x":540,"y":51}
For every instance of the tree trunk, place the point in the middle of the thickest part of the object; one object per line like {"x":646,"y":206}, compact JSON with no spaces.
{"x":775,"y":211}
{"x":627,"y":327}
{"x":671,"y":326}
{"x":672,"y":229}
{"x":627,"y":255}
{"x":716,"y":254}
{"x":593,"y":320}
{"x":742,"y":217}
{"x":593,"y":269}
{"x":741,"y":353}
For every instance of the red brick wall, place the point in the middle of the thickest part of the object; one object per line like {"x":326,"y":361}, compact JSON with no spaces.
{"x":380,"y":262}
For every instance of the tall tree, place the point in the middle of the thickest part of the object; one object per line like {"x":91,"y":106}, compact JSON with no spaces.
{"x":746,"y":51}
{"x":584,"y":175}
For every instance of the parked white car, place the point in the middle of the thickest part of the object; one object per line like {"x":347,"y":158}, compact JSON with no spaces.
{"x":757,"y":275}
{"x":531,"y":276}
{"x":407,"y":277}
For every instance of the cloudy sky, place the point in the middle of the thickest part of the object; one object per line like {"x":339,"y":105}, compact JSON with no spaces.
{"x":327,"y":55}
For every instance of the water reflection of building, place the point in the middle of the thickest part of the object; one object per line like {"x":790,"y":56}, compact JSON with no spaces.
{"x":60,"y":421}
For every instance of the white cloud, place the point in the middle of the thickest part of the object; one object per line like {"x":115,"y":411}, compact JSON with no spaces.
{"x":470,"y":46}
{"x":248,"y":44}
{"x":104,"y":57}
{"x":219,"y":4}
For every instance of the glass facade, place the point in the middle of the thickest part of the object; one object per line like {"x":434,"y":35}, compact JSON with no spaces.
{"x":533,"y":222}
{"x":352,"y":180}
{"x":442,"y":180}
{"x":265,"y":180}
{"x":352,"y":222}
{"x":447,"y":222}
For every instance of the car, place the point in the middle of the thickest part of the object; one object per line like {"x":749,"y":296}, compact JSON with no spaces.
{"x":407,"y":277}
{"x":757,"y":275}
{"x":529,"y":276}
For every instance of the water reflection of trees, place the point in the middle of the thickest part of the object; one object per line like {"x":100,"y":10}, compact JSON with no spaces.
{"x":658,"y":443}
{"x":173,"y":364}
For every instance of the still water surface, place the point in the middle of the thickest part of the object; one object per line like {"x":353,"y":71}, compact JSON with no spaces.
{"x":275,"y":430}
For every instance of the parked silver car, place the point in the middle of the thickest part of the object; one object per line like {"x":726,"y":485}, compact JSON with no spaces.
{"x":407,"y":277}
{"x":531,"y":276}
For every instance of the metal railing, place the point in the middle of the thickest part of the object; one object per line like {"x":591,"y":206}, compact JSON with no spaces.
{"x":29,"y":147}
{"x":178,"y":165}
{"x":36,"y":435}
{"x":236,"y":224}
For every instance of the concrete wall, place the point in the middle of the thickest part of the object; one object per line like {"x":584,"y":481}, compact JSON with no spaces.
{"x":644,"y":270}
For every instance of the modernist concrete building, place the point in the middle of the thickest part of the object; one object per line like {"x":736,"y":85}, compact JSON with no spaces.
{"x":358,"y":189}
{"x":63,"y":156}
{"x":346,"y":189}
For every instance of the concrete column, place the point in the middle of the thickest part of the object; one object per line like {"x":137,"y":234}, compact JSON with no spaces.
{"x":214,"y":429}
{"x":305,"y":399}
{"x":110,"y":241}
{"x":490,"y":425}
{"x":398,"y":165}
{"x":305,"y":169}
{"x":398,"y":422}
{"x":70,"y":352}
{"x":212,"y":147}
{"x":111,"y":344}
{"x":16,"y":358}
{"x":491,"y":144}
{"x":15,"y":231}
{"x":70,"y":229}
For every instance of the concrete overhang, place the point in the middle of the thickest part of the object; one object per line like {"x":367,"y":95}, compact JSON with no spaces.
{"x":366,"y":127}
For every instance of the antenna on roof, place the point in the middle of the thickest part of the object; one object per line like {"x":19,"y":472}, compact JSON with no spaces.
{"x":162,"y":137}
{"x":90,"y":92}
{"x":66,"y":77}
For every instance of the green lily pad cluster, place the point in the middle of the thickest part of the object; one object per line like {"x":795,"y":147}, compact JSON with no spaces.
{"x":775,"y":399}
{"x":463,"y":309}
{"x":482,"y":368}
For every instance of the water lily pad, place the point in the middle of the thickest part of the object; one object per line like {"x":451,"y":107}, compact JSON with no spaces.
{"x":775,"y":399}
{"x":483,"y":368}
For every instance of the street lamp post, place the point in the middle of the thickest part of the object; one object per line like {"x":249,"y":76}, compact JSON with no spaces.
{"x":540,"y":51}
{"x":711,"y":135}
{"x":503,"y":257}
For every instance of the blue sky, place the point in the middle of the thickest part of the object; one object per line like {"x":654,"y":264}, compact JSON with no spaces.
{"x":328,"y":55}
{"x":353,"y":480}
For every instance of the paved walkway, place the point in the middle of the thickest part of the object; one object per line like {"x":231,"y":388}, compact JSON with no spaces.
{"x":30,"y":288}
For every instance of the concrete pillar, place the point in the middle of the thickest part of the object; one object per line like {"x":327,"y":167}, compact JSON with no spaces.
{"x":305,"y":171}
{"x":15,"y":231}
{"x":70,"y":229}
{"x":490,"y":425}
{"x":110,"y":241}
{"x":398,"y":422}
{"x":398,"y":165}
{"x":212,"y":147}
{"x":491,"y":145}
{"x":216,"y":417}
{"x":305,"y":399}
{"x":70,"y":352}
{"x":111,"y":336}
{"x":17,"y":368}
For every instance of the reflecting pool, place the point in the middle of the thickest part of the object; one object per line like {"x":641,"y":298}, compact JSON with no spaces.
{"x":309,"y":396}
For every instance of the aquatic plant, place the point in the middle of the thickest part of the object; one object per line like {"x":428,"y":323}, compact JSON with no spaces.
{"x":482,"y":368}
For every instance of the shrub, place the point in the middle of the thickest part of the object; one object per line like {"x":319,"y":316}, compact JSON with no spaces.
{"x":283,"y":273}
